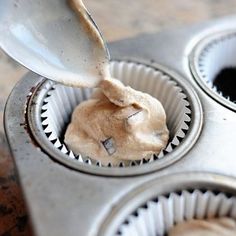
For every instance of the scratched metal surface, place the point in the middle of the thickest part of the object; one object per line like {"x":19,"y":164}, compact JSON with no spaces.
{"x":140,"y":17}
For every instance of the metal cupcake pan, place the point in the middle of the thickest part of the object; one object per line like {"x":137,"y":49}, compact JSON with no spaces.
{"x":57,"y":102}
{"x":156,"y":207}
{"x":97,"y":200}
{"x":210,"y":56}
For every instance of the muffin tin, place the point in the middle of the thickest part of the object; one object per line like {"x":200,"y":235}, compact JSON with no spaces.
{"x":70,"y":195}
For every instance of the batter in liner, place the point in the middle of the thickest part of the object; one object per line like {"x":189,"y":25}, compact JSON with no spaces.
{"x":212,"y":227}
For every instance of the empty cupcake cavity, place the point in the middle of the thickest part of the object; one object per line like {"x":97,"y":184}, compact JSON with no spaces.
{"x":214,"y":65}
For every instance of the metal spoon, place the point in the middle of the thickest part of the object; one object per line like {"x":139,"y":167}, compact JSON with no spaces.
{"x":49,"y":38}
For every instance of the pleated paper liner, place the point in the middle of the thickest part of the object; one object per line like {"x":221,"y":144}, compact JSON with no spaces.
{"x":60,"y":102}
{"x":157,"y":216}
{"x":217,"y":54}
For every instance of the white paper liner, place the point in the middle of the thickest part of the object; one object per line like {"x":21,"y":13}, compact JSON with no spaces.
{"x":60,"y":102}
{"x":217,"y":55}
{"x":159,"y":215}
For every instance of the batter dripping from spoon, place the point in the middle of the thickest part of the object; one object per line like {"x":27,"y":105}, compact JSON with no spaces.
{"x":117,"y":123}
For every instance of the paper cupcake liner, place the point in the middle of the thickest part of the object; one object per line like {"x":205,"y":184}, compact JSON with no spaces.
{"x":60,"y":102}
{"x":157,"y":216}
{"x":217,"y":54}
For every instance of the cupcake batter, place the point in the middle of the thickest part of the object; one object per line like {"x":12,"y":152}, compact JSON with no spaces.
{"x":212,"y":227}
{"x":116,"y":123}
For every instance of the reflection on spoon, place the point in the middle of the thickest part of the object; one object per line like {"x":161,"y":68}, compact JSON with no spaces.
{"x":26,"y":38}
{"x":49,"y":38}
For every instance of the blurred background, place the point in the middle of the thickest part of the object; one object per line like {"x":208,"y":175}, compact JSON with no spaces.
{"x":117,"y":20}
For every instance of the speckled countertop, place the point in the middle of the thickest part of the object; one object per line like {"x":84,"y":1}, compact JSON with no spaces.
{"x":116,"y":21}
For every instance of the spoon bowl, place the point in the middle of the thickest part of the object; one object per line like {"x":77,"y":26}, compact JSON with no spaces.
{"x":51,"y":39}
